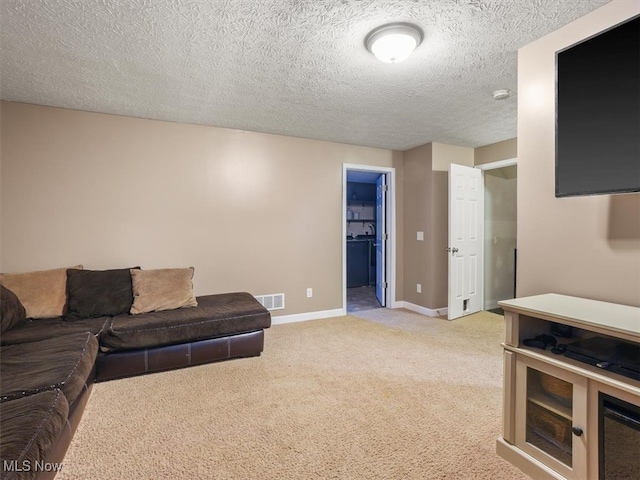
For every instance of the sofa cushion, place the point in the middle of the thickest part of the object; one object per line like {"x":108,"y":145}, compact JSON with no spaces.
{"x":63,"y":363}
{"x":162,"y":289}
{"x":30,"y":429}
{"x":97,"y":293}
{"x":43,"y":293}
{"x":214,"y":316}
{"x":12,"y":312}
{"x":35,"y":330}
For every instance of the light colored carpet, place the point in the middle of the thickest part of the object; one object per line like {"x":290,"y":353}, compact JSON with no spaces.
{"x":386,"y":395}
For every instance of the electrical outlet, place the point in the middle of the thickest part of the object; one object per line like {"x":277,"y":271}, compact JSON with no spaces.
{"x":309,"y":292}
{"x":420,"y":236}
{"x":495,"y":239}
{"x":418,"y":287}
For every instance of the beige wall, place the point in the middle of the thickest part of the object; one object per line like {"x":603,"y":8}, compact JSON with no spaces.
{"x":252,"y":212}
{"x":426,"y":191}
{"x":444,"y":155}
{"x":439,"y":274}
{"x":582,"y":246}
{"x":1,"y":155}
{"x":495,"y":152}
{"x":417,"y":218}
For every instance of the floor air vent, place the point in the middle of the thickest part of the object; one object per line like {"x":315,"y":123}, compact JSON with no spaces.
{"x":272,"y":302}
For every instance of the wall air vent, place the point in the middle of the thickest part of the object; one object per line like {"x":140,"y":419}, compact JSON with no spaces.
{"x":272,"y":302}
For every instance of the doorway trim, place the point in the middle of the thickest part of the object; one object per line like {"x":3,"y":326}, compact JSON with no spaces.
{"x":499,"y":164}
{"x":390,"y":253}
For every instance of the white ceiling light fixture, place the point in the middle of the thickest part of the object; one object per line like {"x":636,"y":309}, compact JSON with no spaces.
{"x":394,"y":42}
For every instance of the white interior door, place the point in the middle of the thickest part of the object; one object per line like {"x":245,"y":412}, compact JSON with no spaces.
{"x":381,"y":239}
{"x":466,"y":214}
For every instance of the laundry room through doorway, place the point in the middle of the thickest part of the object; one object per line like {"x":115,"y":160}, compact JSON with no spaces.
{"x":366,"y":229}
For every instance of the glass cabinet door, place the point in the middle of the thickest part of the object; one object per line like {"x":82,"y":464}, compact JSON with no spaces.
{"x":552,"y":405}
{"x":549,"y":415}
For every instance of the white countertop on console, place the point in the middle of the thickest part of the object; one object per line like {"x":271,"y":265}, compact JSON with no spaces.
{"x":580,"y":312}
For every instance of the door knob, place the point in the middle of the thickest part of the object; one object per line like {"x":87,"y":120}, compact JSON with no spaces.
{"x":577,"y":431}
{"x":454,"y":249}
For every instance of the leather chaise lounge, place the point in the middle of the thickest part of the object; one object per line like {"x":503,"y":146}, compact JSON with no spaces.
{"x":48,"y":365}
{"x":220,"y":327}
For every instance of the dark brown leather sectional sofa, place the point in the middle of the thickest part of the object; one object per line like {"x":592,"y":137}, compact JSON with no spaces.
{"x":48,"y":366}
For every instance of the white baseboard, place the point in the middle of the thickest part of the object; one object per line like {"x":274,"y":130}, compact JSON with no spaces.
{"x":338,"y":312}
{"x":303,"y":317}
{"x":438,"y":312}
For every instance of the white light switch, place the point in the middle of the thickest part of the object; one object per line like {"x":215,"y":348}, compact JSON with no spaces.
{"x":420,"y":236}
{"x":418,"y":287}
{"x":495,"y":239}
{"x":309,"y":292}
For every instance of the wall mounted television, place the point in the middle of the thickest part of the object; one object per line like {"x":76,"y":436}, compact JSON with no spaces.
{"x":598,"y":113}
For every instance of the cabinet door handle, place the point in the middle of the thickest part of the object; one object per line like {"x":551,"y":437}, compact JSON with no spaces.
{"x":577,"y":431}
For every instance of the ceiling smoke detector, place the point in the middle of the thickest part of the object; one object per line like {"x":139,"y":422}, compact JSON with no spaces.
{"x":502,"y":94}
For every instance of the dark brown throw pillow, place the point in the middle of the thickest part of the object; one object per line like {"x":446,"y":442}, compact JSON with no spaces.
{"x":97,"y":293}
{"x":12,"y":312}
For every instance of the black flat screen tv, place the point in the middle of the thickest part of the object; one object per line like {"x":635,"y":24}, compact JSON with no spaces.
{"x":598,"y":113}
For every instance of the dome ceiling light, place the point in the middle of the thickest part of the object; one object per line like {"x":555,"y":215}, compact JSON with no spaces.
{"x":394,"y":42}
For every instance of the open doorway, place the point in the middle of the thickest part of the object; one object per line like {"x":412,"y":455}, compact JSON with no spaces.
{"x":368,"y":224}
{"x":500,"y":234}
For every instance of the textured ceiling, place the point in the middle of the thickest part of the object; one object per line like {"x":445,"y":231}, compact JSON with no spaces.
{"x":288,"y":67}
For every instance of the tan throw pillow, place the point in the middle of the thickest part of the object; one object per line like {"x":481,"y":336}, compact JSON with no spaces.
{"x":162,"y":289}
{"x":43,"y":293}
